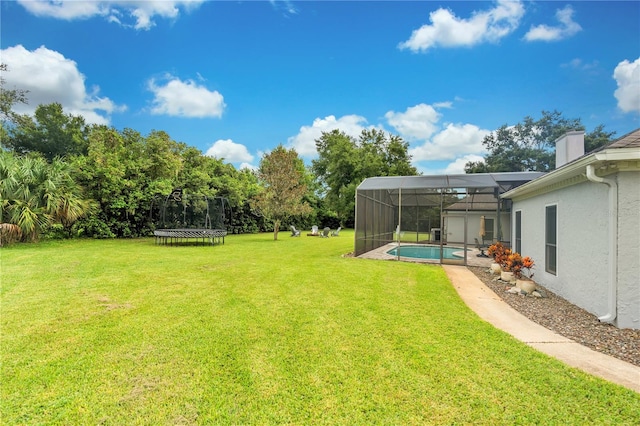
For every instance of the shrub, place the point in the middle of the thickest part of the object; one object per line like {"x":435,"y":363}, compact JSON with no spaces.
{"x":497,"y":251}
{"x":511,"y":261}
{"x":9,"y":233}
{"x":524,"y":268}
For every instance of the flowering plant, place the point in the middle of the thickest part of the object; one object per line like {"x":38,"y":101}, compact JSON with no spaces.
{"x":513,"y":262}
{"x":503,"y":256}
{"x":520,"y":266}
{"x":496,"y":250}
{"x":526,"y":268}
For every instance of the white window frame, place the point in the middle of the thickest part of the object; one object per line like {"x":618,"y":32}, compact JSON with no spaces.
{"x":489,"y":231}
{"x":517,"y":236}
{"x":547,"y":245}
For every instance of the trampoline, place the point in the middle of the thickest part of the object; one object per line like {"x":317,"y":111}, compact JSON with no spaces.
{"x":191,"y":219}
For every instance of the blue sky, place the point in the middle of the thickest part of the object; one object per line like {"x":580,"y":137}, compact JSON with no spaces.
{"x":235,"y":79}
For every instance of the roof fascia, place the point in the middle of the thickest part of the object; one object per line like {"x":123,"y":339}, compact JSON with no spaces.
{"x":619,"y":154}
{"x":574,"y":172}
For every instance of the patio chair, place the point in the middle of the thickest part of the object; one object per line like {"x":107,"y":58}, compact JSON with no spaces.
{"x":336,"y":232}
{"x":294,"y":231}
{"x":325,"y":232}
{"x":314,"y":230}
{"x":482,"y":248}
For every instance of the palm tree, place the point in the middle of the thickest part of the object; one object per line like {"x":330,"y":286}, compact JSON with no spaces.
{"x":65,"y":203}
{"x":9,"y":232}
{"x":35,"y":194}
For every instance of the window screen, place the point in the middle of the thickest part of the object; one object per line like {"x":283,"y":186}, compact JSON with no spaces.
{"x":519,"y":231}
{"x":551,"y":249}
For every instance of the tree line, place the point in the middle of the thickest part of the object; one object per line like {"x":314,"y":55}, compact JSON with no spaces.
{"x":60,"y":177}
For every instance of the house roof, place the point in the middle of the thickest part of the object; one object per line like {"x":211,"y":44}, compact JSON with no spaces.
{"x":624,"y":151}
{"x":504,"y":181}
{"x":630,"y":140}
{"x":475,"y":202}
{"x":425,"y":190}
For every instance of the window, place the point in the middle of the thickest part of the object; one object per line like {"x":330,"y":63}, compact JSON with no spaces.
{"x":519,"y":231}
{"x":550,"y":243}
{"x":488,"y":230}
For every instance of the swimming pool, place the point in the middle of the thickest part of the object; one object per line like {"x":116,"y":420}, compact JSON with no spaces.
{"x":426,"y":252}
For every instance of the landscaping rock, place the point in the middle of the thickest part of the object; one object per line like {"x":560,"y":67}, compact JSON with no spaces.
{"x":557,"y":314}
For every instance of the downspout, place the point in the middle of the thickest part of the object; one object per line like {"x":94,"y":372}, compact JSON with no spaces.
{"x":399,"y":220}
{"x":496,"y":193}
{"x":613,"y":239}
{"x":466,"y":223}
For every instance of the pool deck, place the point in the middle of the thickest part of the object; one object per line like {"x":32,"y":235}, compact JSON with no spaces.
{"x":381,"y":254}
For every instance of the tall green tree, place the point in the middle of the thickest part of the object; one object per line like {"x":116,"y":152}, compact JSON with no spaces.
{"x":344,"y":162}
{"x":597,"y":138}
{"x":209,"y":176}
{"x":115,"y":173}
{"x":281,"y":174}
{"x":530,"y":145}
{"x":8,"y":98}
{"x":240,"y":189}
{"x":50,"y":132}
{"x":164,"y":155}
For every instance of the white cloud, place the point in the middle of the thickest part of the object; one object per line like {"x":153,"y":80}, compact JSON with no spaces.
{"x":232,"y":152}
{"x":304,"y":142}
{"x":457,"y":166}
{"x":435,"y":149}
{"x":566,"y":29}
{"x":455,"y":143}
{"x":447,"y":30}
{"x":579,"y":64}
{"x":452,"y":142}
{"x":185,"y":99}
{"x":67,"y":10}
{"x":432,"y":142}
{"x":285,"y":6}
{"x":417,"y":122}
{"x":248,"y":166}
{"x":447,"y":104}
{"x":50,"y":77}
{"x":627,"y":75}
{"x":142,"y":12}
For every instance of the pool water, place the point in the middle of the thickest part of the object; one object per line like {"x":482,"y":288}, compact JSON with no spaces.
{"x":426,"y":252}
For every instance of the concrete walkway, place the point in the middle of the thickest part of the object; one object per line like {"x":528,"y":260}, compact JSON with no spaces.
{"x":497,"y":312}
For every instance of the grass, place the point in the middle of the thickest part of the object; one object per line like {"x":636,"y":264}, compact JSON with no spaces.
{"x":265,"y":332}
{"x":414,"y":237}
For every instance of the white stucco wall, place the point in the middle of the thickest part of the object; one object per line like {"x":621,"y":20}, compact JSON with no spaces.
{"x":629,"y":250}
{"x":583,"y":227}
{"x":455,"y":226}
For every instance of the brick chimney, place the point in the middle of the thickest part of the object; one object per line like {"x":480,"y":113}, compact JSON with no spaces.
{"x":569,"y":147}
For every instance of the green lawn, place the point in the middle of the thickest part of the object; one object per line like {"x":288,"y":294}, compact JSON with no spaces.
{"x":258,"y":331}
